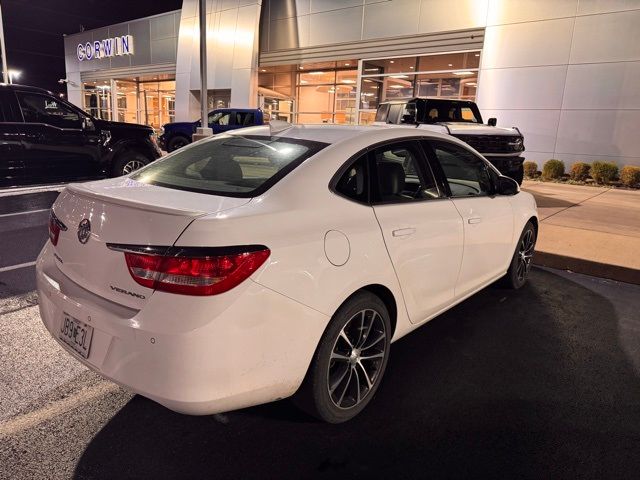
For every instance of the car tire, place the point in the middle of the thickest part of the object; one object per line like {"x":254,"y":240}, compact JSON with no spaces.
{"x":177,"y":142}
{"x":349,"y":362}
{"x":128,"y":162}
{"x":520,"y":264}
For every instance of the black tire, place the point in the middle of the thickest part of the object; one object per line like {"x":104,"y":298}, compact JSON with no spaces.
{"x":520,"y":265}
{"x":177,"y":142}
{"x":128,"y":162}
{"x":340,"y":361}
{"x":519,"y":175}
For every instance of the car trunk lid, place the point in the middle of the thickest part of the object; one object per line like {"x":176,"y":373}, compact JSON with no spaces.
{"x":123,"y":212}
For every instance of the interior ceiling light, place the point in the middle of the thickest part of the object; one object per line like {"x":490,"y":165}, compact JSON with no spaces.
{"x":463,"y":73}
{"x":397,"y":86}
{"x":348,"y":81}
{"x":477,"y":54}
{"x":398,"y":76}
{"x":347,"y":64}
{"x":391,"y":61}
{"x":316,"y":73}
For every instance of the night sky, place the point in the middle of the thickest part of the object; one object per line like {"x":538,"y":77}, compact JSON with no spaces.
{"x":34,"y":29}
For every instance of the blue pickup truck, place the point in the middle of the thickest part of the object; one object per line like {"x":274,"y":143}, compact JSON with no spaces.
{"x":178,"y":134}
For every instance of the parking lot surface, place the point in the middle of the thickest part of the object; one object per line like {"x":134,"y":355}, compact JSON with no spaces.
{"x":543,"y":382}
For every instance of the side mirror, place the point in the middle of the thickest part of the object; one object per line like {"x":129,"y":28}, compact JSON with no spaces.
{"x":492,"y":122}
{"x":87,"y":124}
{"x":507,"y":186}
{"x":408,"y":119}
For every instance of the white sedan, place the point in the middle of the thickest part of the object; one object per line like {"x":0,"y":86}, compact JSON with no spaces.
{"x":275,"y":261}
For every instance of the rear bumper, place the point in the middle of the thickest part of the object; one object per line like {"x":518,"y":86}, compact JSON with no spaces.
{"x":194,"y":355}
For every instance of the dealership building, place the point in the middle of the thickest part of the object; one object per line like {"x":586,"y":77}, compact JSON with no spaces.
{"x":566,"y":72}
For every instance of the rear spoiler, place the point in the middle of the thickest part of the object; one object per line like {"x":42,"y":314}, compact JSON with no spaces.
{"x":83,"y":191}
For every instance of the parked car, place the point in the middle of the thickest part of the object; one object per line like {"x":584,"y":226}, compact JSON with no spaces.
{"x":178,"y":134}
{"x":44,"y":139}
{"x":269,"y":262}
{"x":502,"y":146}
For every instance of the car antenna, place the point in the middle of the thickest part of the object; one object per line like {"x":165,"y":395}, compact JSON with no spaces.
{"x":277,"y":126}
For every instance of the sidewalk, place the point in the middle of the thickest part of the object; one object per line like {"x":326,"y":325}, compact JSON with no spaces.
{"x":590,"y":230}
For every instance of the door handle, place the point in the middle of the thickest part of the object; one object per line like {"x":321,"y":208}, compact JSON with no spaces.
{"x":403,"y":232}
{"x":474,"y":220}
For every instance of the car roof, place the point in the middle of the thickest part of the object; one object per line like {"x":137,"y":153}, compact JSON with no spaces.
{"x":337,"y":133}
{"x":24,"y":88}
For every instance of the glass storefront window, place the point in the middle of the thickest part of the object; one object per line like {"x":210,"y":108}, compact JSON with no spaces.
{"x":97,"y":99}
{"x":146,"y":100}
{"x":452,"y":75}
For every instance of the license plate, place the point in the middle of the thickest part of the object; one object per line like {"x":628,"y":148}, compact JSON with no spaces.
{"x":76,"y":334}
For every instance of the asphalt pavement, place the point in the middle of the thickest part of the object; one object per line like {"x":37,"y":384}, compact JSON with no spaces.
{"x":539,"y":383}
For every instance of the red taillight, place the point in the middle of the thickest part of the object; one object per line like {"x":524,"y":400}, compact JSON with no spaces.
{"x":194,"y":275}
{"x":55,"y":226}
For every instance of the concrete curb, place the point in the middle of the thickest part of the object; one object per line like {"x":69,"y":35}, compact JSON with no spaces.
{"x":587,"y":267}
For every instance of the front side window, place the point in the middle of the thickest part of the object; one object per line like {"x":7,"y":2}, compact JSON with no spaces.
{"x":229,"y":165}
{"x":466,"y":174}
{"x":451,"y":111}
{"x":38,"y":108}
{"x":399,"y":175}
{"x":220,"y":118}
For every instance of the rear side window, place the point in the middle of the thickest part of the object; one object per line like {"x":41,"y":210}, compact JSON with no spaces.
{"x":399,"y":176}
{"x":381,"y":113}
{"x":395,"y":111}
{"x":246,"y":119}
{"x":354,"y":183}
{"x":230,"y":165}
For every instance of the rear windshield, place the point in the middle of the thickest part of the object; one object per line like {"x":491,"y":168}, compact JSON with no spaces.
{"x":230,"y":165}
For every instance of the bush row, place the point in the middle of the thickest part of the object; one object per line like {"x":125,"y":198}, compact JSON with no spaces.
{"x":601,"y":172}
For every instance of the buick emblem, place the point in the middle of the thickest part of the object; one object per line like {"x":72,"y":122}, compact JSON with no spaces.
{"x":84,"y":231}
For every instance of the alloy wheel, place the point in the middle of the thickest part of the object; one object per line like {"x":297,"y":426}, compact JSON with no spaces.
{"x":132,"y":166}
{"x":357,"y":358}
{"x":525,"y":253}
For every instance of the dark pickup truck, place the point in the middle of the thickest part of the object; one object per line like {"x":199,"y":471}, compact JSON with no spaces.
{"x":44,"y":139}
{"x":178,"y":134}
{"x":502,"y":146}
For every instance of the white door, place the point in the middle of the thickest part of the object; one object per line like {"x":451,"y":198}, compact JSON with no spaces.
{"x":422,"y":229}
{"x":487,"y":218}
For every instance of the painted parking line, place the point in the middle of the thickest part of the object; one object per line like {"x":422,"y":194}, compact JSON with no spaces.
{"x":21,"y":191}
{"x":24,"y":213}
{"x":32,"y":419}
{"x":16,"y":267}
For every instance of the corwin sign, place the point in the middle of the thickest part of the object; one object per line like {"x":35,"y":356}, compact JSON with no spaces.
{"x":109,"y":47}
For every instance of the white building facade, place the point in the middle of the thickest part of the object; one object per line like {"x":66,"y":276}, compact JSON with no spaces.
{"x":566,"y":72}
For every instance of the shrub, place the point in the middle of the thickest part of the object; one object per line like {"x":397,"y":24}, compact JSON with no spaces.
{"x":604,"y":172}
{"x":530,"y":169}
{"x":553,"y":169}
{"x":630,"y":176}
{"x":580,"y":171}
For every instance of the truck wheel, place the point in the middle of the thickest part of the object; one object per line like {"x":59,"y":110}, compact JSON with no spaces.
{"x":519,"y":176}
{"x":177,"y":142}
{"x":128,"y":162}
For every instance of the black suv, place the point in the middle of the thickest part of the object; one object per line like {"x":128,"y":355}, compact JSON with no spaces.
{"x":44,"y":139}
